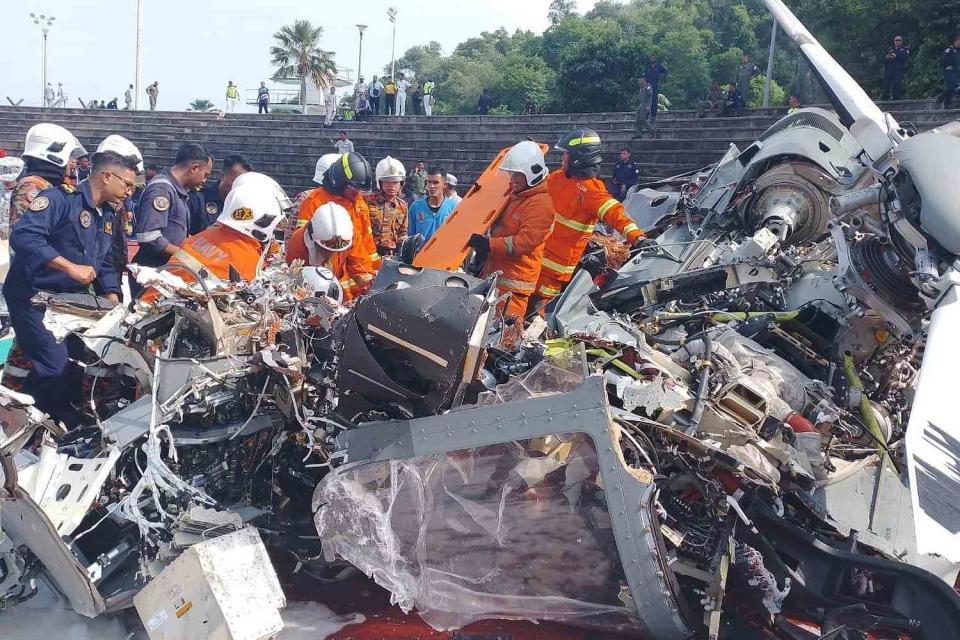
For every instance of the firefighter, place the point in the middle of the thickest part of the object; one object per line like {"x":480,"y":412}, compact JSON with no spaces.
{"x":388,"y":209}
{"x":516,"y":241}
{"x":235,"y":246}
{"x":123,"y":209}
{"x":326,"y":243}
{"x":581,"y":200}
{"x":344,"y":183}
{"x":47,"y":152}
{"x":63,"y":245}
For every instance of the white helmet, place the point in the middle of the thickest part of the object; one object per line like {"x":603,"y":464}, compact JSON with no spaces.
{"x":265,"y":181}
{"x":123,"y":147}
{"x":451,"y":180}
{"x":526,"y":158}
{"x":52,"y":143}
{"x":330,"y":228}
{"x":253,"y":207}
{"x":323,"y":164}
{"x":390,"y":170}
{"x":320,"y":281}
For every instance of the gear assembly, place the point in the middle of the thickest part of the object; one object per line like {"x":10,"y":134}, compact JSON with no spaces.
{"x":722,"y":409}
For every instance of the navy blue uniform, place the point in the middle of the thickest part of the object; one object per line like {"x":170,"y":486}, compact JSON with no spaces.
{"x":205,"y":207}
{"x":894,"y":70}
{"x":625,"y":175}
{"x":64,"y":223}
{"x":653,"y":73}
{"x":951,"y":74}
{"x":162,"y":219}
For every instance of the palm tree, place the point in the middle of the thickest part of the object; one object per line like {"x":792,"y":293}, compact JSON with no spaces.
{"x":297,"y":54}
{"x":201,"y":104}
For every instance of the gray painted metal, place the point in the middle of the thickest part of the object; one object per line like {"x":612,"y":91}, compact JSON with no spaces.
{"x":583,"y":410}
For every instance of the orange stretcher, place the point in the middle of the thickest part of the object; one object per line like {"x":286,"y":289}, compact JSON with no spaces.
{"x":481,"y":207}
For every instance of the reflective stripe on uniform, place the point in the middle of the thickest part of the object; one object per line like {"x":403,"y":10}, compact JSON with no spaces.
{"x":548,"y":292}
{"x":559,"y":268}
{"x":15,"y":372}
{"x":508,"y":243}
{"x":583,"y":140}
{"x":573,"y":224}
{"x":606,"y":206}
{"x":375,"y":256}
{"x":348,"y":283}
{"x":630,"y":228}
{"x":148,"y":236}
{"x":363,"y":278}
{"x":517,"y":285}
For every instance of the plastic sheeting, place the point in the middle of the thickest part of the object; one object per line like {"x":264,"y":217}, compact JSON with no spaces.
{"x":518,"y":530}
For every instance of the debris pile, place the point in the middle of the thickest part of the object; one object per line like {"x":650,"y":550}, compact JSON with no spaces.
{"x":741,"y":430}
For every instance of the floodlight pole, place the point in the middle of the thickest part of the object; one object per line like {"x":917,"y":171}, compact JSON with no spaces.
{"x":361,"y":28}
{"x":136,"y":71}
{"x":766,"y":84}
{"x":392,"y":15}
{"x":44,"y":22}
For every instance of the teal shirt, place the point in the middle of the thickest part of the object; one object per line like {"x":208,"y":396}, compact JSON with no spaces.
{"x":425,"y":220}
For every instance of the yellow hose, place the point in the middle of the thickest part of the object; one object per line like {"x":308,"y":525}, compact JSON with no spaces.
{"x":866,"y":409}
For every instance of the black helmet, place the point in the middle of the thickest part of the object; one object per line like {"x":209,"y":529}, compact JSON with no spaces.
{"x":583,"y":145}
{"x":351,"y":170}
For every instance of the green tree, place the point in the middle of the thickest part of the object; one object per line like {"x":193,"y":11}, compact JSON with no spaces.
{"x":560,"y":9}
{"x":201,"y":104}
{"x":297,"y":54}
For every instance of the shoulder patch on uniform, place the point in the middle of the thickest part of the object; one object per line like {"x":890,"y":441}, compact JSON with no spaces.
{"x":161,"y":203}
{"x":212,"y":208}
{"x":69,"y":188}
{"x":40,"y":203}
{"x":242,"y":214}
{"x":85,"y":219}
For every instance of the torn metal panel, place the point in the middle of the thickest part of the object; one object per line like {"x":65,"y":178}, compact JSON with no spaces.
{"x":411,"y":444}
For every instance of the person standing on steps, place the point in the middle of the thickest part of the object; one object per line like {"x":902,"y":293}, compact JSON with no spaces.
{"x":950,"y":59}
{"x":746,"y":72}
{"x":153,"y":91}
{"x":331,"y":107}
{"x":128,"y":98}
{"x":375,"y":91}
{"x":644,"y":124}
{"x":49,"y":96}
{"x":894,"y":68}
{"x":263,"y":98}
{"x":416,"y":97}
{"x":390,"y":95}
{"x":428,"y":87}
{"x":233,"y":97}
{"x":402,"y":87}
{"x":343,"y":144}
{"x":654,"y":72}
{"x":418,"y":181}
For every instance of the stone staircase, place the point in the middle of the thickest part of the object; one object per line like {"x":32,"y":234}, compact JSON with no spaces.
{"x":287,"y":146}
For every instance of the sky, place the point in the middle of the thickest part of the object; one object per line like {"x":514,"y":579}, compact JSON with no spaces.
{"x":193,"y":47}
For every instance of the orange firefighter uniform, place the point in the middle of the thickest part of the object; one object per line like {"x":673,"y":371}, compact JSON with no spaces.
{"x":516,"y":245}
{"x":580,"y":204}
{"x":336,"y":261}
{"x":363,"y":261}
{"x":217,"y":248}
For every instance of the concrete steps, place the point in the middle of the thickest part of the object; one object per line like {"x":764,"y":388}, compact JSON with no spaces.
{"x":287,"y":146}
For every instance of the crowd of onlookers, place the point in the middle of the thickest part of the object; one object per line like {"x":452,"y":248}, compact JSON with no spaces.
{"x":388,"y":97}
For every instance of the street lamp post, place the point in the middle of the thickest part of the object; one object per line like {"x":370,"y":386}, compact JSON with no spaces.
{"x":361,"y":28}
{"x":44,"y":22}
{"x":136,"y":71}
{"x":773,"y":48}
{"x":392,"y":15}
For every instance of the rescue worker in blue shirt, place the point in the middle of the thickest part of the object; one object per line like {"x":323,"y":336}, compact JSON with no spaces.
{"x":63,"y":244}
{"x":427,"y":214}
{"x":626,"y":173}
{"x":207,"y":203}
{"x":163,"y":215}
